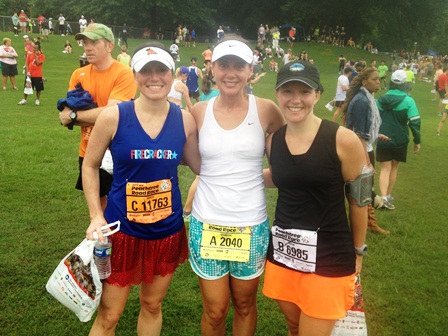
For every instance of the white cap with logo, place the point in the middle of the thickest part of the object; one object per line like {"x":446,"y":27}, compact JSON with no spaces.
{"x":233,"y":48}
{"x":151,"y":54}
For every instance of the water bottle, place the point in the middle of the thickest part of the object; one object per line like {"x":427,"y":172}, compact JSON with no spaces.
{"x":102,"y":252}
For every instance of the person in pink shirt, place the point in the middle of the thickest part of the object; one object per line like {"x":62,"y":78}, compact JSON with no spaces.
{"x":8,"y":60}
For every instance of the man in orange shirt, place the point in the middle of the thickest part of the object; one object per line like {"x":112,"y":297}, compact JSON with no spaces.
{"x":107,"y":80}
{"x":292,"y":37}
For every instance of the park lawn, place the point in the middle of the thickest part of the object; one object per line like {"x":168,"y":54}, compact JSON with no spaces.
{"x":43,"y":217}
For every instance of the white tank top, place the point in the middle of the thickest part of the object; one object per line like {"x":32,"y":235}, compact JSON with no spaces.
{"x":230,"y":191}
{"x":173,"y":93}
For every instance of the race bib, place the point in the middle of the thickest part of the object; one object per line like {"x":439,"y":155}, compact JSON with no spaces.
{"x":295,"y":248}
{"x":148,"y":203}
{"x":225,"y":242}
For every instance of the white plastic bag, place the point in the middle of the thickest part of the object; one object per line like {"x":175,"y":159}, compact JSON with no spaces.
{"x":75,"y":282}
{"x":330,"y":106}
{"x":107,"y":163}
{"x":354,"y":322}
{"x":28,"y":90}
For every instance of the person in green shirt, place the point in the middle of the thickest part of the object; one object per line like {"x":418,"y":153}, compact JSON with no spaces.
{"x":399,"y":113}
{"x":410,"y":77}
{"x":382,"y":69}
{"x":124,"y":57}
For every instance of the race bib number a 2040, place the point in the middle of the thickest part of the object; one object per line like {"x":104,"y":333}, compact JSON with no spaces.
{"x":295,"y":248}
{"x":225,"y":243}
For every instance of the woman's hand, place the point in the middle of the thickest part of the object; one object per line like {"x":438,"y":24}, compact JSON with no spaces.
{"x":383,"y":137}
{"x":95,"y":227}
{"x":416,"y":148}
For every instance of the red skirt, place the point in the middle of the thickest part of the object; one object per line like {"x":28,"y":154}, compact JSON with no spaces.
{"x":135,"y":261}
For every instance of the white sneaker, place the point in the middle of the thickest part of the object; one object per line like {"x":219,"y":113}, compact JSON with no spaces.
{"x":387,"y":204}
{"x":22,"y":102}
{"x":37,"y":102}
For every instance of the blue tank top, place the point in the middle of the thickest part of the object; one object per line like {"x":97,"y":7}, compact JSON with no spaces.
{"x":192,"y":80}
{"x":139,"y":159}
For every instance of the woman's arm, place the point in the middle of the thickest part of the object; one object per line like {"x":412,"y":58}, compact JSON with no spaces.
{"x":182,"y":88}
{"x":191,"y":148}
{"x":352,"y":156}
{"x":271,"y":116}
{"x":99,"y":140}
{"x":267,"y":172}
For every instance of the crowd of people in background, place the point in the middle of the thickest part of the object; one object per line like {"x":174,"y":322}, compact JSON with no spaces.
{"x":224,"y":108}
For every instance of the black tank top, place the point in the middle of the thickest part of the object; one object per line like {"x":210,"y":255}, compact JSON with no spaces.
{"x":311,"y":197}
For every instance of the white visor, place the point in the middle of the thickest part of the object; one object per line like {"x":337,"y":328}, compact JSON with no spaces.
{"x":233,"y":48}
{"x":151,"y":54}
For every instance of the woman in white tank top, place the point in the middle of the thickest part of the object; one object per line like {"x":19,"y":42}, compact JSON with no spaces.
{"x":179,"y":89}
{"x":230,"y":195}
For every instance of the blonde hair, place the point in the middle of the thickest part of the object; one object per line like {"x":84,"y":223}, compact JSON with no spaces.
{"x":6,"y":39}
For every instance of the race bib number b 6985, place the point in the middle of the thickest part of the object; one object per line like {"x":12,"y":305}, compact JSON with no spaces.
{"x":295,"y":248}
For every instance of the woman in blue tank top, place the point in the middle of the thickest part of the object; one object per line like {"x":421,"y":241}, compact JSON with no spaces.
{"x":148,"y":138}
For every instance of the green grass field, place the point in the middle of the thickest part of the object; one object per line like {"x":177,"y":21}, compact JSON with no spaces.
{"x":42,"y":216}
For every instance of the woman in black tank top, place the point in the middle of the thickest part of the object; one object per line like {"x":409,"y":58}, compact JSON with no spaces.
{"x":311,"y":257}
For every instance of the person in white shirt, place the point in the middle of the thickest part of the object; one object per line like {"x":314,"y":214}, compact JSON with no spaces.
{"x":61,"y":21}
{"x":230,"y":193}
{"x":82,"y":24}
{"x":174,"y":51}
{"x":341,"y":91}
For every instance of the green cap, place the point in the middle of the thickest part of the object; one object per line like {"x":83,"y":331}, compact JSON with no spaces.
{"x":96,"y":31}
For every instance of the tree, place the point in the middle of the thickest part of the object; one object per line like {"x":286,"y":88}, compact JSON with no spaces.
{"x":388,"y":25}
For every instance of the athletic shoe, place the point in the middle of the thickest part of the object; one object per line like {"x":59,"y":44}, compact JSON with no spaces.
{"x":438,"y":134}
{"x":387,"y":205}
{"x":22,"y":102}
{"x":37,"y":102}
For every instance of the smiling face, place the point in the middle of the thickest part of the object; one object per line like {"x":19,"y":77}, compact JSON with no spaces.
{"x":372,"y":83}
{"x":297,"y":100}
{"x":154,"y":80}
{"x":232,"y":74}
